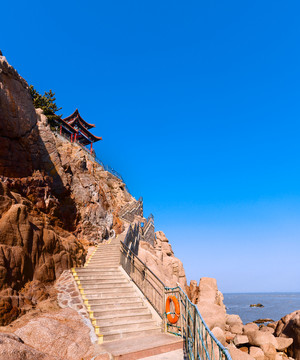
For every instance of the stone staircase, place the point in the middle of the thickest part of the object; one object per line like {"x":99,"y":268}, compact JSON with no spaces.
{"x":117,"y":309}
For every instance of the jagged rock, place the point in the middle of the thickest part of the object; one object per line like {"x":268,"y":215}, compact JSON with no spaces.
{"x":289,"y":326}
{"x":161,"y":260}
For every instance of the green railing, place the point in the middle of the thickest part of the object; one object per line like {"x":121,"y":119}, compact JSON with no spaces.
{"x":200,"y":343}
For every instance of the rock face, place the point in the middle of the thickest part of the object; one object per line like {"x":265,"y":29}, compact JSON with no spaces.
{"x":18,"y":124}
{"x":289,"y":327}
{"x":55,"y":200}
{"x":13,"y":348}
{"x":161,"y":260}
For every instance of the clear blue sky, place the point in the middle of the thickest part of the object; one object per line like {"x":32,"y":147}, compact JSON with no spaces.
{"x":198,"y":106}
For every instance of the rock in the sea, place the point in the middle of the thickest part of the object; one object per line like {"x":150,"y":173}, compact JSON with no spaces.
{"x":257,"y":305}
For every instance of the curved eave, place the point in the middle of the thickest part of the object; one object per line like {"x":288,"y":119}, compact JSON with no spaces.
{"x":76,"y":114}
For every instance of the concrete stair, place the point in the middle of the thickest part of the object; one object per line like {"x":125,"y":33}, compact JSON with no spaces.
{"x":116,"y":307}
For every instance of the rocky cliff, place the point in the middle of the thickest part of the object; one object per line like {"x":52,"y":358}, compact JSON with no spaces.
{"x":55,"y":200}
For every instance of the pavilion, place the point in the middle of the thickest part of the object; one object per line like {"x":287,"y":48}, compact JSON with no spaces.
{"x":77,"y":129}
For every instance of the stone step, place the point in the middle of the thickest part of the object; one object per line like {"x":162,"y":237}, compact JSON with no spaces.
{"x":95,"y":295}
{"x":126,"y":325}
{"x":111,"y":316}
{"x":132,"y":300}
{"x":111,"y":290}
{"x":118,"y":309}
{"x":85,"y":270}
{"x":101,"y":276}
{"x":110,"y":286}
{"x":102,"y":279}
{"x":105,"y":261}
{"x":129,"y":319}
{"x":116,"y":335}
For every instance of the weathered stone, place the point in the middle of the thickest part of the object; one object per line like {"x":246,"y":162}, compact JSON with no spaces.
{"x":269,"y":351}
{"x":283,"y":343}
{"x":220,"y":335}
{"x":240,"y":340}
{"x":259,"y":338}
{"x":237,"y":354}
{"x":256,"y":353}
{"x":250,"y":327}
{"x":289,"y":326}
{"x":237,"y":328}
{"x":233,"y":319}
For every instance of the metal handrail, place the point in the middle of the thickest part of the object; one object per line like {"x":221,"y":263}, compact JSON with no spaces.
{"x":200,"y":342}
{"x":149,"y":284}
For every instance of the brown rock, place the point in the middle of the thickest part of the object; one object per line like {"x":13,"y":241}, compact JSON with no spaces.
{"x":283,"y":343}
{"x":269,"y":351}
{"x":220,"y":335}
{"x":13,"y":348}
{"x":167,"y":267}
{"x":257,"y":353}
{"x":62,"y":335}
{"x":240,"y":340}
{"x":237,"y":328}
{"x":213,"y":315}
{"x":260,"y":338}
{"x":237,"y":354}
{"x":250,"y":327}
{"x":289,"y":326}
{"x":232,"y":319}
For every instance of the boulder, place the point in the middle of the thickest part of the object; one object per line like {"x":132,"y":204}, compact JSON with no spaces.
{"x":12,"y":347}
{"x":220,"y":335}
{"x":232,"y":319}
{"x":240,"y":340}
{"x":237,"y":328}
{"x":260,"y":338}
{"x":283,"y":343}
{"x":267,"y":329}
{"x":62,"y":335}
{"x":213,"y":315}
{"x":237,"y":354}
{"x":269,"y":351}
{"x":250,"y":327}
{"x":289,"y":326}
{"x":257,"y":353}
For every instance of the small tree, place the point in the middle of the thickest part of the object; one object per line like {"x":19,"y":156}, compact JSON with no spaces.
{"x":45,"y":102}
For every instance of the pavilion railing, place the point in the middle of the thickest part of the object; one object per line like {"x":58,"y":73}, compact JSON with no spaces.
{"x":105,"y":167}
{"x":200,"y":343}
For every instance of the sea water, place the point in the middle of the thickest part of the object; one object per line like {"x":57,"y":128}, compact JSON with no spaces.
{"x":276,"y":305}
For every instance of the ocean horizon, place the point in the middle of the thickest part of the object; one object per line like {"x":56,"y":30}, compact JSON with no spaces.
{"x":275,"y":305}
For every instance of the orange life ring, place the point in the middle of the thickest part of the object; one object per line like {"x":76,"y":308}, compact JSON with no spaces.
{"x":172,"y":318}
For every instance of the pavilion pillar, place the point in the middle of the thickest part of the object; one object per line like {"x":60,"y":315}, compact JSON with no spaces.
{"x":91,"y":147}
{"x":60,"y":129}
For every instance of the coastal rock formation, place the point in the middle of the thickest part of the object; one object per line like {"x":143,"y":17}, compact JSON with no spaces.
{"x":161,"y":260}
{"x":289,"y":327}
{"x":209,"y":301}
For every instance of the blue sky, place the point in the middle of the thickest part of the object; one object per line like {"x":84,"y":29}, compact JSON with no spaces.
{"x":198,"y":106}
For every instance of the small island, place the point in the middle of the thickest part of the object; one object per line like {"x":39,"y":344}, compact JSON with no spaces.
{"x":257,"y":305}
